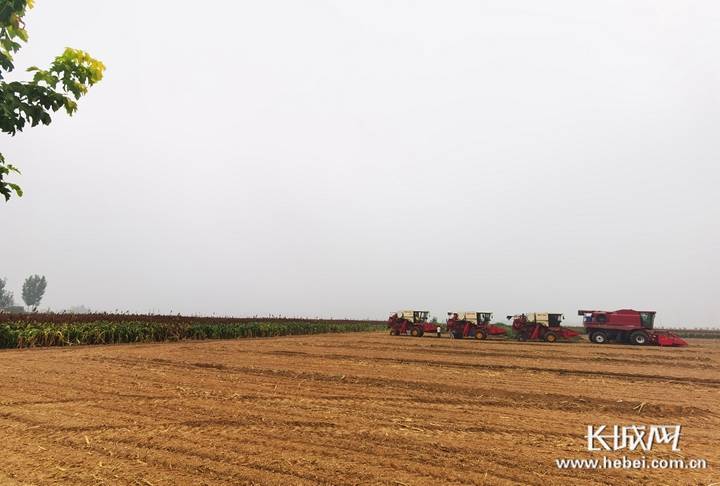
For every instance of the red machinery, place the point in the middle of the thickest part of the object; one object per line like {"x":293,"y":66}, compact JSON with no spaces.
{"x":626,"y":326}
{"x":410,"y":322}
{"x":472,"y":324}
{"x":540,"y":326}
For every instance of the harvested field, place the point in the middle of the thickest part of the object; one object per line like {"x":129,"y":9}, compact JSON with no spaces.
{"x":361,"y":408}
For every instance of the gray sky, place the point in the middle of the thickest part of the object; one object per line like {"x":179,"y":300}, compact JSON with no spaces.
{"x":349,"y":159}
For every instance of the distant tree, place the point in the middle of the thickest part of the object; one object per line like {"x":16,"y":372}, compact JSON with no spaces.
{"x":33,"y":290}
{"x":434,"y":320}
{"x":22,"y":102}
{"x":6,"y":297}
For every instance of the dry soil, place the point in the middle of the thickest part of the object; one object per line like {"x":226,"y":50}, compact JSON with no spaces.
{"x":348,"y":409}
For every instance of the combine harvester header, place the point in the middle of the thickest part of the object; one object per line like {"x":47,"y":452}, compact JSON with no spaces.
{"x":627,"y":326}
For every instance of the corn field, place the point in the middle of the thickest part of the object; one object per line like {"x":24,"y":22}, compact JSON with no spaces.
{"x":31,"y":330}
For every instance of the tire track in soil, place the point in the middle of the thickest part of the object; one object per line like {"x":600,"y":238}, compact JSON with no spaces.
{"x":403,"y":458}
{"x":490,"y":397}
{"x":561,"y":371}
{"x":293,"y":423}
{"x":706,"y":363}
{"x":201,"y":423}
{"x":142,"y":446}
{"x":69,"y":455}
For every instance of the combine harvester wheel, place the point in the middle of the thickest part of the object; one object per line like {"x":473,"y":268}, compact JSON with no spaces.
{"x":599,"y":337}
{"x":639,"y":338}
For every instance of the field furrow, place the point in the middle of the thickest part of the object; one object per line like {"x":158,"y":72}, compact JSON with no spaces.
{"x":346,"y":409}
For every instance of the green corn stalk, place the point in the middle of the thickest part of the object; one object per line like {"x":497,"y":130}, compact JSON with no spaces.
{"x":63,"y":330}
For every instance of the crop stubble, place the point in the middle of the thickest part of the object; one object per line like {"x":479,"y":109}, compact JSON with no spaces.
{"x":346,"y":409}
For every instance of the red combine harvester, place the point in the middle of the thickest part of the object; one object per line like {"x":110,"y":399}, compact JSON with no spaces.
{"x":410,"y":322}
{"x":626,"y":326}
{"x":472,"y":324}
{"x":540,"y":326}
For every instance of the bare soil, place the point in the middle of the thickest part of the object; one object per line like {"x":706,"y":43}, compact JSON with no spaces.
{"x":348,"y":409}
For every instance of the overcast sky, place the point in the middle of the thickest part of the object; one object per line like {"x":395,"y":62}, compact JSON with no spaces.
{"x":350,"y":159}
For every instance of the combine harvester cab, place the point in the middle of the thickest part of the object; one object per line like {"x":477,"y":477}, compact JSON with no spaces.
{"x":410,"y":322}
{"x":541,"y":326}
{"x":472,"y":324}
{"x":626,"y":326}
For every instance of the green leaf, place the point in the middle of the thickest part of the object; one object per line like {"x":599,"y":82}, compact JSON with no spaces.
{"x":15,"y":188}
{"x":24,"y":103}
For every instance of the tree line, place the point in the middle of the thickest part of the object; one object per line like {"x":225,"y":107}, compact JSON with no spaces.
{"x":33,"y":291}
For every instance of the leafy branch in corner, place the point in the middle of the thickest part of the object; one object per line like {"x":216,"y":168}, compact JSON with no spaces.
{"x":32,"y":102}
